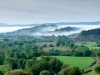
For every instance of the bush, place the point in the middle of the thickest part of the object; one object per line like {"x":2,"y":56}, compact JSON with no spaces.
{"x":74,"y":71}
{"x":97,"y":69}
{"x":1,"y":73}
{"x":45,"y":72}
{"x":15,"y":72}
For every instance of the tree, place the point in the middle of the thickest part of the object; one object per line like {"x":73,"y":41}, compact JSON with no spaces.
{"x":51,"y":45}
{"x":11,"y":63}
{"x":78,"y":53}
{"x":86,"y":53}
{"x":44,"y":45}
{"x":97,"y":69}
{"x":21,"y":63}
{"x":74,"y":71}
{"x":16,"y":72}
{"x":2,"y":59}
{"x":65,"y":69}
{"x":55,"y":65}
{"x":52,"y":64}
{"x":45,"y":72}
{"x":1,"y":73}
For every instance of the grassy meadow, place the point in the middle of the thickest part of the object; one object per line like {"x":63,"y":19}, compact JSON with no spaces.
{"x":92,"y":73}
{"x":81,"y":62}
{"x":2,"y":67}
{"x":88,"y":44}
{"x":53,"y":43}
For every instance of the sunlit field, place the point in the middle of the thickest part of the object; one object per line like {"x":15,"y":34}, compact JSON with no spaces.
{"x":81,"y":62}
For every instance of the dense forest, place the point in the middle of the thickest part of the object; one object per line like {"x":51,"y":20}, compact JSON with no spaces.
{"x":35,"y":55}
{"x":89,"y":35}
{"x":21,"y":52}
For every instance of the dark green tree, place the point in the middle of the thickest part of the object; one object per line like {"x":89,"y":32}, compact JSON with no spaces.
{"x":45,"y":72}
{"x":75,"y":71}
{"x":97,"y":69}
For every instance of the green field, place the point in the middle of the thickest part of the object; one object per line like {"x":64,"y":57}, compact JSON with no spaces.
{"x":91,"y":44}
{"x":2,"y":67}
{"x":81,"y":62}
{"x":92,"y":73}
{"x":88,"y":44}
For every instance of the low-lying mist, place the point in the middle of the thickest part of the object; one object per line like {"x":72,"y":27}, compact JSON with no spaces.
{"x":82,"y":27}
{"x":11,"y":28}
{"x":45,"y":31}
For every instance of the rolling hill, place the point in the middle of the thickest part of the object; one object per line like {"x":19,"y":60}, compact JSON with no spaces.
{"x":44,"y":30}
{"x":89,"y":35}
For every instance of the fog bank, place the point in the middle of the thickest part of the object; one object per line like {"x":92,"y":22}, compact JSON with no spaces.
{"x":82,"y":27}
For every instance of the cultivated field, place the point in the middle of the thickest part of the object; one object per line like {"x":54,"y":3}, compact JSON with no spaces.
{"x":56,"y":48}
{"x":49,"y":48}
{"x":81,"y":62}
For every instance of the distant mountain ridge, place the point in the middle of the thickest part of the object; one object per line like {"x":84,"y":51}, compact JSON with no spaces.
{"x":3,"y":24}
{"x":76,"y":23}
{"x":59,"y":23}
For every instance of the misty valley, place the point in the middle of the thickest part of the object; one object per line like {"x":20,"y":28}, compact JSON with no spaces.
{"x":50,"y":49}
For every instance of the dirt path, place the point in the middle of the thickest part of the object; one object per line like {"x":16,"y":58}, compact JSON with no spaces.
{"x":92,"y":66}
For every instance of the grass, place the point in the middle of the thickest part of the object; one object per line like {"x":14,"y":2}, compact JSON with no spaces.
{"x":91,"y":44}
{"x":2,"y":67}
{"x":88,"y":44}
{"x":47,"y":48}
{"x":81,"y":62}
{"x":92,"y":73}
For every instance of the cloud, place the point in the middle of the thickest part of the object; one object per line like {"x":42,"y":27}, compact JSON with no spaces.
{"x":39,"y":11}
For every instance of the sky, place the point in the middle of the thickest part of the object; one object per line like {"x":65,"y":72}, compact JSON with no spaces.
{"x":48,"y":11}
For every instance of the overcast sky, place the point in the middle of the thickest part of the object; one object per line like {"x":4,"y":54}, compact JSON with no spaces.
{"x":44,"y":11}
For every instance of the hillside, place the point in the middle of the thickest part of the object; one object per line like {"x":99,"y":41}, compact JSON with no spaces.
{"x":89,"y":35}
{"x":44,"y":30}
{"x":67,"y":29}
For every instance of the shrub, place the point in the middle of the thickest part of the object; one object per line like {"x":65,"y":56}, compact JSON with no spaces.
{"x":74,"y":71}
{"x":17,"y":72}
{"x":45,"y":72}
{"x":97,"y":69}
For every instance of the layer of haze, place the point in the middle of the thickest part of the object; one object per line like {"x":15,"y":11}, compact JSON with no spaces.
{"x":10,"y":29}
{"x":44,"y":11}
{"x":82,"y":27}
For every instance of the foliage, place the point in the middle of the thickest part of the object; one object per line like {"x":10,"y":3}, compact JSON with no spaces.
{"x":17,"y":72}
{"x":1,"y":73}
{"x":97,"y":69}
{"x":65,"y":69}
{"x":81,"y":62}
{"x":52,"y":64}
{"x":89,"y":35}
{"x":44,"y":72}
{"x":74,"y":71}
{"x":11,"y":63}
{"x":81,"y":51}
{"x":95,"y":52}
{"x":2,"y":58}
{"x":63,"y":41}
